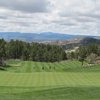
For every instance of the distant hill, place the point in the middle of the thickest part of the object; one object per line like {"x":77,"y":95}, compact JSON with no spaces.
{"x":72,"y":43}
{"x":30,"y":37}
{"x":38,"y":37}
{"x":89,"y":41}
{"x":64,"y":40}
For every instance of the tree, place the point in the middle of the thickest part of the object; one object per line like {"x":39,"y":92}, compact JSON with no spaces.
{"x":81,"y":60}
{"x":16,"y":49}
{"x":91,"y":58}
{"x":26,"y":53}
{"x":2,"y":51}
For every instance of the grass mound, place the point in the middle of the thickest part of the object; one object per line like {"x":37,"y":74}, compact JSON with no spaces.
{"x":64,"y":66}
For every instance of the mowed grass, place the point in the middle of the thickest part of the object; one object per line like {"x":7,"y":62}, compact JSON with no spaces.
{"x":50,"y":86}
{"x":51,"y":79}
{"x":67,"y":80}
{"x":65,"y":93}
{"x":64,"y":66}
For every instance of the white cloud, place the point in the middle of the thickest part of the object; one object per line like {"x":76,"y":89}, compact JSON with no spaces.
{"x":63,"y":16}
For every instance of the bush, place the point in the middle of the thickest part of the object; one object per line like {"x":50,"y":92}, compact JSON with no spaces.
{"x":91,"y":59}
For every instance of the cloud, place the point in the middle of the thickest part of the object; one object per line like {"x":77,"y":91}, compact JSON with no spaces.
{"x":31,"y":6}
{"x":66,"y":22}
{"x":62,"y":16}
{"x":3,"y":17}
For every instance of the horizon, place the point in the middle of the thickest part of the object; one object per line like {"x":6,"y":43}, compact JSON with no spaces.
{"x":98,"y":35}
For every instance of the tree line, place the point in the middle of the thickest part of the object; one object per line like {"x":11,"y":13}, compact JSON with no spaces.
{"x":16,"y":49}
{"x":85,"y":53}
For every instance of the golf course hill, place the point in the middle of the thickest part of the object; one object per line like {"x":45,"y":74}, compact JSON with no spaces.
{"x":18,"y":66}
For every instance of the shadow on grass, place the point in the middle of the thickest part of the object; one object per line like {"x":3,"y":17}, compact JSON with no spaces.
{"x":63,"y":93}
{"x":4,"y":67}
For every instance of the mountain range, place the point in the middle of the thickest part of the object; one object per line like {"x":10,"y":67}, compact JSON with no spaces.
{"x":40,"y":37}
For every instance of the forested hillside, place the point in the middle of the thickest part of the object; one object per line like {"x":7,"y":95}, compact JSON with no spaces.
{"x":70,"y":44}
{"x":30,"y":51}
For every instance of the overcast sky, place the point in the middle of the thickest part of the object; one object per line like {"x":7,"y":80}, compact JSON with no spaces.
{"x":62,"y":16}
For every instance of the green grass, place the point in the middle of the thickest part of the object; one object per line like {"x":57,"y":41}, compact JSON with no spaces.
{"x":67,"y":80}
{"x":64,"y":66}
{"x":65,"y":93}
{"x":49,"y":79}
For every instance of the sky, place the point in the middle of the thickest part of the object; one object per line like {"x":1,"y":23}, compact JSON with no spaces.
{"x":60,"y":16}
